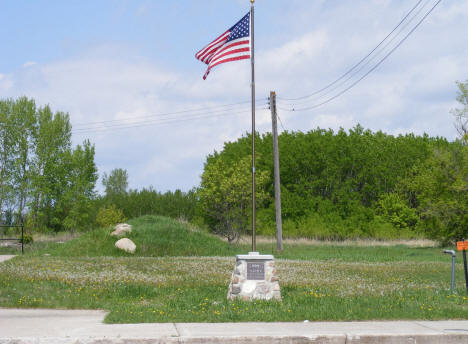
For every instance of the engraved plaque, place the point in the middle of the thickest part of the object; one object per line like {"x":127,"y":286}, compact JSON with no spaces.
{"x":255,"y":271}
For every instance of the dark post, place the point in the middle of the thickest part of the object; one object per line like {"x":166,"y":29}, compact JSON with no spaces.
{"x":22,"y":239}
{"x":466,"y":269}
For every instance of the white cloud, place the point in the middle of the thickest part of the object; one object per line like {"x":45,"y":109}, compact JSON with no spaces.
{"x":29,"y":64}
{"x":294,"y":53}
{"x":411,"y":92}
{"x":6,"y":83}
{"x":96,"y":87}
{"x":143,"y":8}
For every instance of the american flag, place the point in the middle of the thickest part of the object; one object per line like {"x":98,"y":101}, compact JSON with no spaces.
{"x":233,"y":45}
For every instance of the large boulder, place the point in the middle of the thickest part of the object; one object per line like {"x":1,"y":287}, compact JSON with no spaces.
{"x":121,"y":229}
{"x":126,"y":244}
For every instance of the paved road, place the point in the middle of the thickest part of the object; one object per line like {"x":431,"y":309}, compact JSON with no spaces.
{"x":40,"y":326}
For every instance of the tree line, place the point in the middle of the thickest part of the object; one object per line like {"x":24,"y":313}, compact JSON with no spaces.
{"x":334,"y":185}
{"x":146,"y":201}
{"x":337,"y":185}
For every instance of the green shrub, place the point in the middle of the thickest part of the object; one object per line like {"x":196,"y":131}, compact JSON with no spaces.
{"x":266,"y":221}
{"x":109,"y":216}
{"x":27,"y":239}
{"x":395,"y":210}
{"x":313,"y":226}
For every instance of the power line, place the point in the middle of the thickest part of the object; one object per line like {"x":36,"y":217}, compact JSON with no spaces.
{"x":357,"y":64}
{"x":167,"y":113}
{"x":364,"y":65}
{"x":371,"y":70}
{"x":281,"y":122}
{"x":116,"y":123}
{"x":153,"y":123}
{"x":159,"y":122}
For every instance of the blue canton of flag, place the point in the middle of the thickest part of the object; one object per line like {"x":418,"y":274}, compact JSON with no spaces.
{"x":233,"y":45}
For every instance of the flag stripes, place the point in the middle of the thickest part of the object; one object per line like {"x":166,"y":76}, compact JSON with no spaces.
{"x":233,"y":45}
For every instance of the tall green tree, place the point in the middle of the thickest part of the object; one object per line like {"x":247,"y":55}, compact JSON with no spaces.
{"x":76,"y":202}
{"x":438,"y":189}
{"x":6,"y":156}
{"x":461,"y":114}
{"x":23,"y":131}
{"x":41,"y":175}
{"x":116,"y":183}
{"x":225,"y":193}
{"x":52,"y":142}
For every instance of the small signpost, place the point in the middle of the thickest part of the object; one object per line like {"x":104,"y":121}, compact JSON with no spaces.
{"x":463,"y":246}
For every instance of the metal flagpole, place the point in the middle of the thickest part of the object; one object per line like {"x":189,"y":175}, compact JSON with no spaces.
{"x":252,"y":60}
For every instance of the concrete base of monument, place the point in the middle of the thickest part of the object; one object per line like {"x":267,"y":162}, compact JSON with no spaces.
{"x":254,"y":278}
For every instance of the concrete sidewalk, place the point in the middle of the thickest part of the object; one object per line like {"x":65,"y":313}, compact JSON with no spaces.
{"x":40,"y":326}
{"x":5,"y":257}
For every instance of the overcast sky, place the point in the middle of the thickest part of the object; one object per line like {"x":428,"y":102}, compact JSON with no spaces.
{"x":133,"y":61}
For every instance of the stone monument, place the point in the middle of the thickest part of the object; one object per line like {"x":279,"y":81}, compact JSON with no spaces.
{"x":254,"y":277}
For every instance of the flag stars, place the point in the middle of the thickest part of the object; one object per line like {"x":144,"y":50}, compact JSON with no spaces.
{"x":241,"y":29}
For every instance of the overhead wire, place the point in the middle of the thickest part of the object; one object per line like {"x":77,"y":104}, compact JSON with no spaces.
{"x":357,"y":64}
{"x":227,"y":109}
{"x":365,"y":64}
{"x":158,"y":117}
{"x":281,"y":122}
{"x":165,"y":114}
{"x":371,"y":70}
{"x":157,"y":122}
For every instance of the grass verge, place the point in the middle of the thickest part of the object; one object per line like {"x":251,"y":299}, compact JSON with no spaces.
{"x":168,"y":289}
{"x":167,"y":280}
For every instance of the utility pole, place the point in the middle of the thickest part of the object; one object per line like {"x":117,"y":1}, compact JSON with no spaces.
{"x":279,"y":224}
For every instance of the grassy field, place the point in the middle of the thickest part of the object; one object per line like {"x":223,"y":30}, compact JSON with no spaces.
{"x":181,"y":274}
